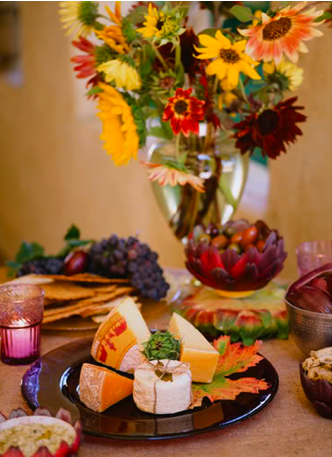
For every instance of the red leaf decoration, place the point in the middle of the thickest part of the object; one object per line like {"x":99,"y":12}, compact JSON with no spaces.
{"x":234,"y":358}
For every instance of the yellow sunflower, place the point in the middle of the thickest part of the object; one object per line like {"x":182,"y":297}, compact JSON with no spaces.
{"x":113,"y":35}
{"x":157,"y":24}
{"x":230,"y":59}
{"x":122,"y":74}
{"x":73,"y":16}
{"x":227,"y":95}
{"x":286,"y":73}
{"x":119,"y":128}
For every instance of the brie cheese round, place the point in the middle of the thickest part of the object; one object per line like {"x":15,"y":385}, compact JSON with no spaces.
{"x":162,"y":387}
{"x":132,"y":359}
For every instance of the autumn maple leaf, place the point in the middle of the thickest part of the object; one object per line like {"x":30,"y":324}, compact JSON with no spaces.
{"x":234,"y":358}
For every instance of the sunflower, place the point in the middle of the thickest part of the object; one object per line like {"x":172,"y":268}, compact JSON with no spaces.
{"x":113,"y":35}
{"x":78,"y":17}
{"x":184,"y":112}
{"x":166,"y":175}
{"x":119,"y":128}
{"x":230,"y":59}
{"x":227,"y":96}
{"x":287,"y":75}
{"x":270,"y":130}
{"x":160,"y":25}
{"x":121,"y":73}
{"x":86,"y":64}
{"x":282,"y":34}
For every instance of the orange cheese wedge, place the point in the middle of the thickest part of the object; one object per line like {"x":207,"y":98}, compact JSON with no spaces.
{"x":101,"y":388}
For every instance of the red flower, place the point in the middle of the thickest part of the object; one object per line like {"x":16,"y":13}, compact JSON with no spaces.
{"x":86,"y":63}
{"x":270,"y":130}
{"x":184,"y":112}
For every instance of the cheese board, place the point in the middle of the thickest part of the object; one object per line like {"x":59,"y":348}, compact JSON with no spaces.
{"x":53,"y":382}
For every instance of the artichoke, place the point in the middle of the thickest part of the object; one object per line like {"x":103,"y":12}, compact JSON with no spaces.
{"x":316,"y":380}
{"x":162,"y":345}
{"x":232,"y":272}
{"x":313,"y":291}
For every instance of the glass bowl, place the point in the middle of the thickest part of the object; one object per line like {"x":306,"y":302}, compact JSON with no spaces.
{"x":313,"y":254}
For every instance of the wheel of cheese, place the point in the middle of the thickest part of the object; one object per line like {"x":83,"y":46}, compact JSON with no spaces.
{"x":162,"y":387}
{"x":118,"y":341}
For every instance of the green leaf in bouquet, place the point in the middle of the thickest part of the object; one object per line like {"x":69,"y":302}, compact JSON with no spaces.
{"x":242,"y":13}
{"x":161,"y":132}
{"x":209,"y":31}
{"x":128,"y":30}
{"x":73,"y":233}
{"x":138,"y":15}
{"x":326,"y":16}
{"x":94,"y":90}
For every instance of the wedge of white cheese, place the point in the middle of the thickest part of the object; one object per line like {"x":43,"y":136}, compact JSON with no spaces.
{"x":162,"y":387}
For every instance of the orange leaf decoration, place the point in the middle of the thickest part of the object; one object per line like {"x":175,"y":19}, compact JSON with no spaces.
{"x":234,"y":358}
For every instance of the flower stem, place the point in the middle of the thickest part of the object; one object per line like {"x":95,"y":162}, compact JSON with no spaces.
{"x":177,"y":146}
{"x":227,"y":192}
{"x":243,"y":91}
{"x":160,"y":57}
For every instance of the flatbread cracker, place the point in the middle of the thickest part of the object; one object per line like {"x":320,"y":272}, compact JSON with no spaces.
{"x":38,"y":280}
{"x":104,"y":308}
{"x":62,"y":291}
{"x":102,"y":298}
{"x":79,"y":307}
{"x":87,"y":277}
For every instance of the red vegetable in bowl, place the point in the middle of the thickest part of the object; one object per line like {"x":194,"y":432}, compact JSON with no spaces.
{"x":312,"y":291}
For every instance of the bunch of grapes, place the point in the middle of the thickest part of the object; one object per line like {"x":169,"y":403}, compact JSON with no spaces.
{"x":43,"y":266}
{"x":128,"y":258}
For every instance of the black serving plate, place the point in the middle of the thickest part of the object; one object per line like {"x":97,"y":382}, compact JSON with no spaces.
{"x":52,"y":382}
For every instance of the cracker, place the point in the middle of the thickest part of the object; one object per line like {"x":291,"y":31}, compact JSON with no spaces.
{"x":102,"y":298}
{"x":31,"y":279}
{"x":87,"y":277}
{"x":72,"y":308}
{"x":61,"y":291}
{"x":104,"y":308}
{"x":99,"y":318}
{"x":101,"y":288}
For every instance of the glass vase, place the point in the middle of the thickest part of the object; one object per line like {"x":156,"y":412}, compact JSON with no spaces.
{"x":224,"y":171}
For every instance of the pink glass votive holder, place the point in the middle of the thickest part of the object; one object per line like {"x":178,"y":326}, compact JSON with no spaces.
{"x":313,"y":254}
{"x":21,"y":313}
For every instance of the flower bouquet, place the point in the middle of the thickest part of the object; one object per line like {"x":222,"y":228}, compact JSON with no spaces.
{"x":211,"y":98}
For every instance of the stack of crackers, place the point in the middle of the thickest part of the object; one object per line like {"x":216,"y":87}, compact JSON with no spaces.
{"x":84,"y":294}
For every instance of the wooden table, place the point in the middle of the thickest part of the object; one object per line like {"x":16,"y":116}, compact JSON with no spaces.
{"x":288,"y":426}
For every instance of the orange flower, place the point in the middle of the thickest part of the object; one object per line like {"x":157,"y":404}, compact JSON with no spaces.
{"x":184,"y":112}
{"x":166,"y":175}
{"x":283,"y":33}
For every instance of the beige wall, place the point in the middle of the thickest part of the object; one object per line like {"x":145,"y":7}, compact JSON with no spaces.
{"x":53,"y":170}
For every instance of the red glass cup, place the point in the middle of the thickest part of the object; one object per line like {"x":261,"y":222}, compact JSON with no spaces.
{"x":313,"y":254}
{"x":21,"y":314}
